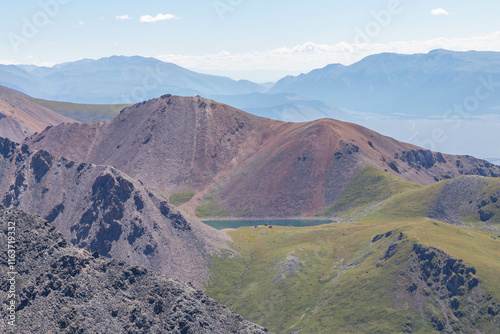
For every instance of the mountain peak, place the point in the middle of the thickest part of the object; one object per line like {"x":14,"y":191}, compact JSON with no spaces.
{"x":390,"y":83}
{"x":119,"y":80}
{"x":233,"y":162}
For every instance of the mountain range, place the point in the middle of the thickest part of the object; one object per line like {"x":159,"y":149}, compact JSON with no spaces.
{"x":412,"y":246}
{"x":408,"y":97}
{"x":116,"y":80}
{"x":236,"y":164}
{"x":418,"y":85}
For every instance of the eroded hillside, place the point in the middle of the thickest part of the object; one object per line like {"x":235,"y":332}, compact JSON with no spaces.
{"x":236,"y":164}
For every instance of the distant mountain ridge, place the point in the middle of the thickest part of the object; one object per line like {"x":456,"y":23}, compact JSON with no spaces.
{"x":413,"y":85}
{"x":116,"y":80}
{"x":283,"y":106}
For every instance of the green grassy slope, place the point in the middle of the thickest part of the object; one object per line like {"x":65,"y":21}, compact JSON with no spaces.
{"x":471,"y":200}
{"x":371,"y":186}
{"x":336,"y":278}
{"x":212,"y":207}
{"x":358,"y":278}
{"x":180,"y":197}
{"x":82,"y":112}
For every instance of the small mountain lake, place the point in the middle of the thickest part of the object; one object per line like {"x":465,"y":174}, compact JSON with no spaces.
{"x":221,"y":224}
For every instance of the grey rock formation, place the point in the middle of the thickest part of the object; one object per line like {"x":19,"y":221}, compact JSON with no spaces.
{"x":61,"y":289}
{"x":102,"y":209}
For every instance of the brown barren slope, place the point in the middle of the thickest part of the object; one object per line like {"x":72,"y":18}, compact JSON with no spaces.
{"x":245,"y":164}
{"x":20,"y":118}
{"x":102,"y":209}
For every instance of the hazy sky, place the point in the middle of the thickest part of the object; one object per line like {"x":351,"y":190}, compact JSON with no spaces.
{"x":255,"y":39}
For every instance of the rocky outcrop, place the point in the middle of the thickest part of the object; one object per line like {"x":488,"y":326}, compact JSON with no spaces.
{"x":420,"y":158}
{"x":68,"y":290}
{"x":448,"y":292}
{"x":461,"y":198}
{"x":104,"y":210}
{"x":442,"y":293}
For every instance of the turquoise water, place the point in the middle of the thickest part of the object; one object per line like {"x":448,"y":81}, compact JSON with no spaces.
{"x":221,"y":224}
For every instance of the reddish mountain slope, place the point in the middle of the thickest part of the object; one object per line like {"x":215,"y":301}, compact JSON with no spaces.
{"x":102,"y":209}
{"x":20,"y":118}
{"x":239,"y":164}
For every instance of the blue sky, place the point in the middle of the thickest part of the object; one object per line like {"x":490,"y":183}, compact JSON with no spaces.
{"x":255,"y":39}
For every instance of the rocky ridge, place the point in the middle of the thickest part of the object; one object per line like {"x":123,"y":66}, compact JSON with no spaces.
{"x":104,"y":210}
{"x":444,"y":291}
{"x":63,"y":289}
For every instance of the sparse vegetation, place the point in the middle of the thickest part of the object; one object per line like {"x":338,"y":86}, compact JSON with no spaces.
{"x":470,"y":200}
{"x":339,"y":278}
{"x":369,"y":187}
{"x":82,"y":112}
{"x":180,"y":197}
{"x":212,"y":207}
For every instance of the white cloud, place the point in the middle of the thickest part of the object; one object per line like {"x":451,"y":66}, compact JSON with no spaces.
{"x":79,"y":24}
{"x":439,"y":11}
{"x":308,"y":56}
{"x":123,"y":17}
{"x":28,"y":62}
{"x":159,"y":17}
{"x":9,"y":62}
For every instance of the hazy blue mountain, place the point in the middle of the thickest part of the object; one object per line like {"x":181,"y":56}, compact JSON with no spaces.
{"x":117,"y":79}
{"x":413,"y":85}
{"x":283,"y":106}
